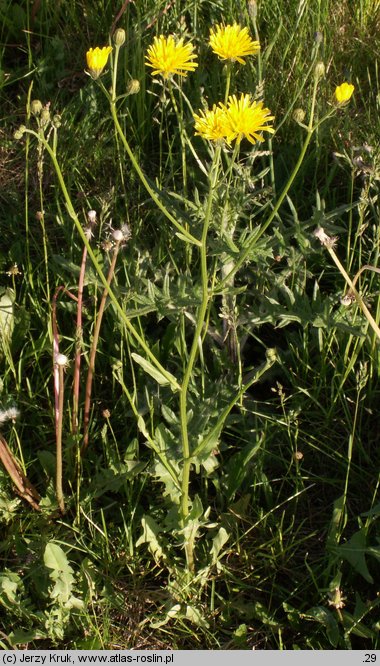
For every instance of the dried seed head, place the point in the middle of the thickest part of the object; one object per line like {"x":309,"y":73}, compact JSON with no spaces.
{"x":61,"y":360}
{"x":347,"y":299}
{"x":91,"y":216}
{"x":117,"y":235}
{"x":326,"y":240}
{"x":9,"y":414}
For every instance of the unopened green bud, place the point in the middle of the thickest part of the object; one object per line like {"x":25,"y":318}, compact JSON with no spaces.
{"x":36,"y":107}
{"x":119,"y":37}
{"x":133,"y":87}
{"x":299,"y":115}
{"x":45,"y":116}
{"x":56,"y":122}
{"x":319,"y":70}
{"x":19,"y":133}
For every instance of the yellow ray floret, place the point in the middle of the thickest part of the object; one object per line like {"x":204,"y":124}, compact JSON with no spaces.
{"x":210,"y":124}
{"x":97,"y":60}
{"x":231,"y":42}
{"x":168,"y":57}
{"x":343,"y":92}
{"x":245,"y":118}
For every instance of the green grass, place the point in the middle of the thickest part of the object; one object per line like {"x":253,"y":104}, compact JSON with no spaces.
{"x":281,"y":509}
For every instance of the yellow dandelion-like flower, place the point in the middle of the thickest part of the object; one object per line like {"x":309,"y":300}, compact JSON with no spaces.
{"x":246,"y":119}
{"x":343,"y":92}
{"x":97,"y":60}
{"x":231,"y":42}
{"x":210,"y":124}
{"x":168,"y":57}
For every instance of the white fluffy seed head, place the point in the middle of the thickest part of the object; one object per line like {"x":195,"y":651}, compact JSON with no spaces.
{"x":117,"y":235}
{"x":91,"y":216}
{"x":9,"y":414}
{"x":62,"y":360}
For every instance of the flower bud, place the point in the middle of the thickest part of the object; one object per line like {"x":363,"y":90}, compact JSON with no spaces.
{"x":36,"y":107}
{"x":45,"y":116}
{"x":119,"y":37}
{"x":319,"y":71}
{"x":299,"y":115}
{"x":56,"y":122}
{"x":19,"y":133}
{"x":133,"y":87}
{"x":252,"y":9}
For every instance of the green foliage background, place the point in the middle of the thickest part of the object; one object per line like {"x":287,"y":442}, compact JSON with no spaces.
{"x":285,"y":512}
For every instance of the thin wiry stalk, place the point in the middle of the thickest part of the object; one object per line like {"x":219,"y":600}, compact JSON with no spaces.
{"x":78,"y":344}
{"x":58,"y":478}
{"x":91,"y":363}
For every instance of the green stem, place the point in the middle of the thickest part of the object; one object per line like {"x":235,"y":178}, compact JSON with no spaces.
{"x":114,"y":74}
{"x":94,"y":346}
{"x":171,"y":380}
{"x":353,"y":290}
{"x":194,"y":348}
{"x":256,"y":235}
{"x":228,"y":81}
{"x":58,"y":480}
{"x":182,"y":135}
{"x":310,"y":129}
{"x":144,"y":181}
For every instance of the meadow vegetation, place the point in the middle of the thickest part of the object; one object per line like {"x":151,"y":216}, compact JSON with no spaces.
{"x":189,"y":341}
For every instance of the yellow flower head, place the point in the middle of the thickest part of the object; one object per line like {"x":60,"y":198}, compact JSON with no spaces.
{"x":168,"y":57}
{"x":97,"y":60}
{"x":231,"y":42}
{"x":246,"y":119}
{"x":210,"y":124}
{"x":343,"y":92}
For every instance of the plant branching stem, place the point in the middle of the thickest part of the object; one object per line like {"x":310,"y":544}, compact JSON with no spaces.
{"x":358,"y":298}
{"x":189,"y":237}
{"x":173,"y":383}
{"x":58,"y":479}
{"x":193,"y":352}
{"x":311,"y":128}
{"x":94,"y":346}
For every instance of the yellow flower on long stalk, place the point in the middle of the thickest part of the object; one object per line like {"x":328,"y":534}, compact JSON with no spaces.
{"x":210,"y":124}
{"x":231,"y":42}
{"x":245,"y":118}
{"x":97,"y":60}
{"x":167,"y":57}
{"x":344,"y":92}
